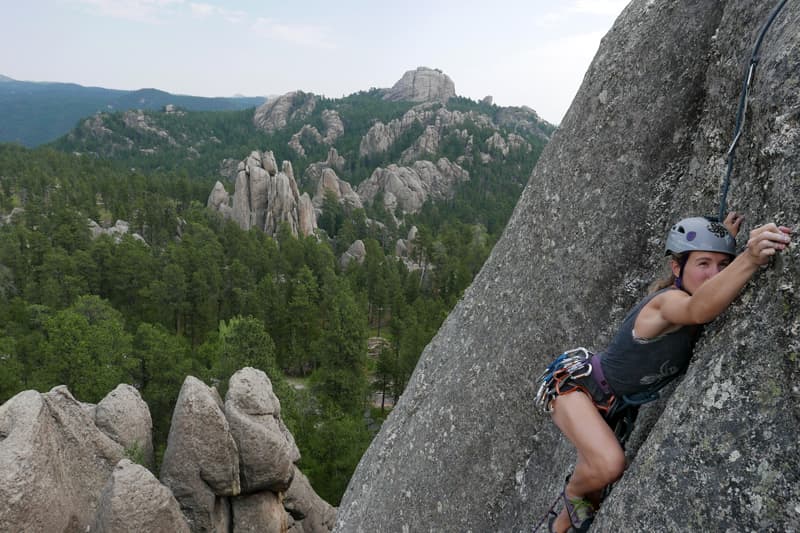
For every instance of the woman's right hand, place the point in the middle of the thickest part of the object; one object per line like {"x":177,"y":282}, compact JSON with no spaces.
{"x":767,"y":240}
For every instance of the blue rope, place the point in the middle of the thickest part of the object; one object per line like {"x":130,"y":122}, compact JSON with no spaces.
{"x":740,"y":115}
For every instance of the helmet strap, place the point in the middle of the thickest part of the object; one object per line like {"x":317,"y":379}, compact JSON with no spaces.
{"x":679,"y":279}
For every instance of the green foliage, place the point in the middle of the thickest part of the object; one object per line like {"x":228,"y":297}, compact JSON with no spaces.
{"x":135,"y":452}
{"x":242,"y":342}
{"x":85,"y":348}
{"x":203,"y":297}
{"x":331,"y":447}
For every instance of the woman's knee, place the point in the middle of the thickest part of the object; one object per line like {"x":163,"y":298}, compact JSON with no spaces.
{"x":611,"y":465}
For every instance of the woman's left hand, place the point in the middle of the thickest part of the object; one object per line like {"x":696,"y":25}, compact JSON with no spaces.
{"x":733,"y":222}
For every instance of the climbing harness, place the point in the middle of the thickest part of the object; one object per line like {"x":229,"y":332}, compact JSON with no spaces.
{"x":565,"y":374}
{"x":740,"y":115}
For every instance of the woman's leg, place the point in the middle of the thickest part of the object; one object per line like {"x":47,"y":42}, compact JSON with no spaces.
{"x":600,"y":457}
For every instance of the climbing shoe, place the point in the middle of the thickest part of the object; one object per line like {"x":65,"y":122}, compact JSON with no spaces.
{"x":581,"y":513}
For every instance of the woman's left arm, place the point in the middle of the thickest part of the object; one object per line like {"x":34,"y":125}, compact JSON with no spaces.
{"x":717,"y":293}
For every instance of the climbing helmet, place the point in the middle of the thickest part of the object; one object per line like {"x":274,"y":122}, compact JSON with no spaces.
{"x":700,"y":234}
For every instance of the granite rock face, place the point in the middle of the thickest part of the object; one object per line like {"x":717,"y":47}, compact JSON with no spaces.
{"x":275,"y":113}
{"x":307,"y":511}
{"x":124,"y":416}
{"x":134,"y":500}
{"x":422,"y":85}
{"x":267,"y":450}
{"x":642,"y":145}
{"x":405,"y":189}
{"x":201,"y":462}
{"x":53,"y":462}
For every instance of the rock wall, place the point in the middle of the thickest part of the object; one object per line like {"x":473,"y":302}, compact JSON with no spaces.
{"x":642,"y":145}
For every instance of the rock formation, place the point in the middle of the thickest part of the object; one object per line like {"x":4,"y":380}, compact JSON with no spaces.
{"x":381,"y":137}
{"x":321,"y":176}
{"x":201,"y":462}
{"x":265,"y":198}
{"x":117,"y":231}
{"x":233,"y":463}
{"x":334,"y":128}
{"x":51,"y":454}
{"x":307,"y":511}
{"x":266,"y":448}
{"x":407,"y":188}
{"x":275,"y":113}
{"x":523,"y":119}
{"x":63,"y":464}
{"x":134,"y":500}
{"x":642,"y":145}
{"x":124,"y":416}
{"x":422,"y":85}
{"x":137,"y":120}
{"x":357,"y":252}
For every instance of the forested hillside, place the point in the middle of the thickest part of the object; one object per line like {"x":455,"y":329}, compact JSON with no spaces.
{"x":34,"y":113}
{"x":189,"y":292}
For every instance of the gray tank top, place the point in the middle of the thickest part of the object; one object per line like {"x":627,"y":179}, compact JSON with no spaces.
{"x":632,"y":365}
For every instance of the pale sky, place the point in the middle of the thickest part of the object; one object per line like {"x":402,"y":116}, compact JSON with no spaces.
{"x":522,"y":52}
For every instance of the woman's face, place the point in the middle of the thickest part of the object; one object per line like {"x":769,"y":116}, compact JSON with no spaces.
{"x":700,"y":267}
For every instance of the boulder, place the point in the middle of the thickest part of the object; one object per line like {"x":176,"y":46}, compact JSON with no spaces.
{"x":267,"y":451}
{"x":54,"y":463}
{"x":201,"y":462}
{"x":641,"y":146}
{"x":329,"y":181}
{"x":220,"y":200}
{"x":309,"y":512}
{"x":124,"y":416}
{"x":357,"y":252}
{"x":261,"y":512}
{"x":422,"y":85}
{"x":498,"y":143}
{"x":133,"y":500}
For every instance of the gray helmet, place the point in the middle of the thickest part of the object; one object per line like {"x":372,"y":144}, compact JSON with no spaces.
{"x":700,"y":234}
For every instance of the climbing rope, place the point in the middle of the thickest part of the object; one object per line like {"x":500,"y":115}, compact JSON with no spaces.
{"x":740,"y":115}
{"x":547,"y":514}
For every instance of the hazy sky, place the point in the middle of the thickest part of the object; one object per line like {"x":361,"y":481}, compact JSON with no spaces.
{"x":522,"y":52}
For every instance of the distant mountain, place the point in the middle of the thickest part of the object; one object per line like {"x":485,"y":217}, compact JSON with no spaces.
{"x":33,"y":113}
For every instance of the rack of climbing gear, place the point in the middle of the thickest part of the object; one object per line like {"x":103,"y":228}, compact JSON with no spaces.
{"x":740,"y":114}
{"x":570,"y":364}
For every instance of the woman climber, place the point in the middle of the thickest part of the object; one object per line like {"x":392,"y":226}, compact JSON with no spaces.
{"x":653,"y":346}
